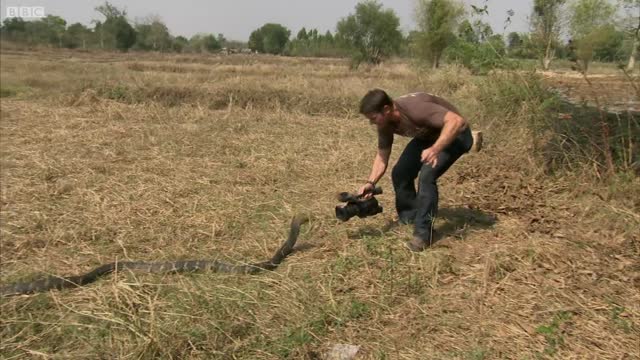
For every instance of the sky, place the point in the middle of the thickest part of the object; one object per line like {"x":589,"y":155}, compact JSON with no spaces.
{"x":236,"y":19}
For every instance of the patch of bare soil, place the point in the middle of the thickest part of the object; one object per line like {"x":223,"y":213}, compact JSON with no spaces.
{"x":616,"y":93}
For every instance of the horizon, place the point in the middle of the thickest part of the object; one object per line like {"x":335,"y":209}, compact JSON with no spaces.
{"x":236,"y":23}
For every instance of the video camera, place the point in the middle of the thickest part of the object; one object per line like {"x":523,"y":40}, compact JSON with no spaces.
{"x":357,"y":205}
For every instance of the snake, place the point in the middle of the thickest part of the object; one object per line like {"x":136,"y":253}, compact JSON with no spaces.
{"x":166,"y":267}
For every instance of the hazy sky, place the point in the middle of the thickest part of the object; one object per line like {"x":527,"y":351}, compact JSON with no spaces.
{"x":237,"y":18}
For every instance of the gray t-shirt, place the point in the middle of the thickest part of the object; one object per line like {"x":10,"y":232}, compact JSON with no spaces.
{"x":421,"y":116}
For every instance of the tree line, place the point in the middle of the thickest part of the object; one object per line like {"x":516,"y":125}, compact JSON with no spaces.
{"x":578,"y":30}
{"x":113,"y":31}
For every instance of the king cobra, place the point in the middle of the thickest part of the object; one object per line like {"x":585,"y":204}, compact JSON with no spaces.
{"x":169,"y":267}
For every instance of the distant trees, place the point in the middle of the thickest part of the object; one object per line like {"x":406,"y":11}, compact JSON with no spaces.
{"x":476,"y":47}
{"x":53,"y":29}
{"x":115,"y":31}
{"x":77,"y":36}
{"x":514,"y":41}
{"x":521,"y":46}
{"x":270,"y":38}
{"x":14,"y":29}
{"x":112,"y":31}
{"x":313,"y":43}
{"x":372,"y":33}
{"x":437,"y":22}
{"x":48,"y":30}
{"x":446,"y":30}
{"x":204,"y":43}
{"x":590,"y":28}
{"x":152,"y":34}
{"x":179,"y":43}
{"x":546,"y":24}
{"x":124,"y":33}
{"x":467,"y":33}
{"x":631,"y":29}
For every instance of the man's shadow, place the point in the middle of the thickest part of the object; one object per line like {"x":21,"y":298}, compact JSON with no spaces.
{"x":457,"y":222}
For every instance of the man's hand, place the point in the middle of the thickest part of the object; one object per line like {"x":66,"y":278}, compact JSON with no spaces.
{"x":366,"y":189}
{"x":430,"y":156}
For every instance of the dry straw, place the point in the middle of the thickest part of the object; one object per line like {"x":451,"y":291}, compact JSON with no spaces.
{"x":155,"y":157}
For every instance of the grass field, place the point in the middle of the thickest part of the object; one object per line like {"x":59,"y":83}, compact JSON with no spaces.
{"x":110,"y":157}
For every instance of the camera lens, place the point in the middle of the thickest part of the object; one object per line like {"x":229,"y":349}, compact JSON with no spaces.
{"x":346,"y":212}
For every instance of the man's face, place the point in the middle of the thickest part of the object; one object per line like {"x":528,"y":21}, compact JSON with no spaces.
{"x":379,"y":118}
{"x":375,"y":118}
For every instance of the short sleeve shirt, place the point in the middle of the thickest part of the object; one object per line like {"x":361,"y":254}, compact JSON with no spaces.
{"x":421,"y":116}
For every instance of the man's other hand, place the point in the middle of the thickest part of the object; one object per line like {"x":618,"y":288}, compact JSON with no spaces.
{"x":366,"y":189}
{"x":430,"y":156}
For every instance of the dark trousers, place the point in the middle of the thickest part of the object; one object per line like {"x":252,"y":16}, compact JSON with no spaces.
{"x":421,"y":208}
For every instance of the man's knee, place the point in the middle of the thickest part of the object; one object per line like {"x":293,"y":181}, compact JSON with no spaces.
{"x":427,"y":175}
{"x":398,"y":174}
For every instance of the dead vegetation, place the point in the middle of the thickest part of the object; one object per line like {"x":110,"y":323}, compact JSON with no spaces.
{"x":109,"y":157}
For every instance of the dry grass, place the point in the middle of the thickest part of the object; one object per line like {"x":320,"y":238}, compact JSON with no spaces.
{"x":143,"y":157}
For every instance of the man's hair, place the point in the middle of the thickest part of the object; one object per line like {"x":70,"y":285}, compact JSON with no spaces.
{"x":374,"y":101}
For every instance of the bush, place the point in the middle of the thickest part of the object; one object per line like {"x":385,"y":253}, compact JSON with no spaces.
{"x":480,"y":58}
{"x":562,"y":136}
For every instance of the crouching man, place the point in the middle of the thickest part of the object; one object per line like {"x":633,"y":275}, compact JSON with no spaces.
{"x":440,"y":137}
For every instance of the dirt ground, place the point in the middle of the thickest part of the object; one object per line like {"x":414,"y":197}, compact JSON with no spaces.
{"x":617,"y":93}
{"x":107,"y":157}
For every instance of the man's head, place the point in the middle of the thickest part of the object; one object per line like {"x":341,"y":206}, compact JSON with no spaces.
{"x":376,"y":105}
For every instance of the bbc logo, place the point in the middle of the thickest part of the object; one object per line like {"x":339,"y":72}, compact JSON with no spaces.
{"x":25,"y":11}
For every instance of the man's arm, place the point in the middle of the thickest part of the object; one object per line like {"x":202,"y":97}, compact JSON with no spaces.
{"x":377,"y":170}
{"x":453,"y":125}
{"x":379,"y":165}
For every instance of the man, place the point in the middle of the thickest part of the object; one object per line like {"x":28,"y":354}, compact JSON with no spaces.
{"x":440,"y":136}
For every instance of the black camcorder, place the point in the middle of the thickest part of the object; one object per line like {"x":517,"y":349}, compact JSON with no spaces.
{"x":357,"y":205}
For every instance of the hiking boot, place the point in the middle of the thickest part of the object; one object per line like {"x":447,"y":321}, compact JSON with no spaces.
{"x":416,"y":244}
{"x":477,"y":141}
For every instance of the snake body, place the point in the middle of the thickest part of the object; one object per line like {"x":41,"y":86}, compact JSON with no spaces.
{"x":167,"y":267}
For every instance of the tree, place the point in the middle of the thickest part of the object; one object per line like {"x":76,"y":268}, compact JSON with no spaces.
{"x":437,"y":20}
{"x":210,"y":43}
{"x":467,"y":33}
{"x":328,"y":37}
{"x":110,"y":11}
{"x":106,"y":32}
{"x":311,"y":43}
{"x":371,"y":33}
{"x":115,"y":31}
{"x":76,"y":36}
{"x":222,"y":40}
{"x":204,"y":42}
{"x":256,"y":42}
{"x":631,"y":27}
{"x":125,"y":34}
{"x":590,"y":27}
{"x":520,"y":45}
{"x":14,"y":29}
{"x":484,"y":30}
{"x":55,"y":27}
{"x":48,"y":30}
{"x":611,"y":48}
{"x":270,"y":38}
{"x":479,"y":50}
{"x":152,"y":34}
{"x":546,"y":25}
{"x":302,"y":35}
{"x":514,"y":41}
{"x":179,"y":43}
